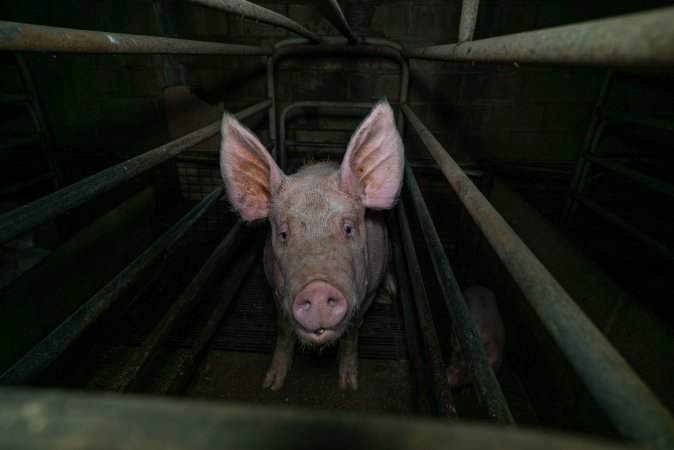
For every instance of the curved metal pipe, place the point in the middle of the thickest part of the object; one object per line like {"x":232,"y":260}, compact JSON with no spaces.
{"x":252,"y":11}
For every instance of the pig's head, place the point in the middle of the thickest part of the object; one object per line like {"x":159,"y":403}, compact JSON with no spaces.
{"x":321,"y":267}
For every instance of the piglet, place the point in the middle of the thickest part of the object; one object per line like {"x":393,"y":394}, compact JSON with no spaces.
{"x":489,"y":326}
{"x":328,"y":249}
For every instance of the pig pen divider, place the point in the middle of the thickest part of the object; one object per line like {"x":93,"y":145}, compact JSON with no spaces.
{"x":623,"y":396}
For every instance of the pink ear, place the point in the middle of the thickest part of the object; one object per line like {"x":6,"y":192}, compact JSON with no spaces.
{"x":250,"y":174}
{"x":373,"y":164}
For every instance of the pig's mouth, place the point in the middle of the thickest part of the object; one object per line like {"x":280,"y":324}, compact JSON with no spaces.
{"x":318,"y":337}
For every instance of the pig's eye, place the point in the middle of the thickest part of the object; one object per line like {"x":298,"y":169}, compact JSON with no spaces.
{"x":348,"y":230}
{"x":283,"y":235}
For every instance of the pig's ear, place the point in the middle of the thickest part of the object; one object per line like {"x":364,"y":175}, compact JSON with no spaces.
{"x":373,"y":164}
{"x":250,"y":174}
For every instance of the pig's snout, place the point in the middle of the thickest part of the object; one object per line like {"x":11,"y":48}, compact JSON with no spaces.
{"x":319,"y":307}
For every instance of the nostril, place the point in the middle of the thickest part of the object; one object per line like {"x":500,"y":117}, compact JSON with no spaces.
{"x":332,"y":302}
{"x":307,"y":305}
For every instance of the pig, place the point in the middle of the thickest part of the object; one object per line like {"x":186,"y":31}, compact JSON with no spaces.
{"x":328,"y":248}
{"x":489,"y":326}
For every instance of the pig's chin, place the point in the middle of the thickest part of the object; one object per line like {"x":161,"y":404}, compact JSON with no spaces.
{"x":318,"y":338}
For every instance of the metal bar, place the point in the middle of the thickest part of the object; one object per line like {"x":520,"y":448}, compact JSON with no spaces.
{"x":419,"y":391}
{"x":235,"y":278}
{"x":45,"y":352}
{"x":20,"y":142}
{"x":442,"y":391}
{"x":640,"y":39}
{"x":259,"y":14}
{"x":37,"y":115}
{"x":469,"y":11}
{"x":378,"y":47}
{"x":320,"y":108}
{"x":271,"y":96}
{"x":622,"y":395}
{"x":24,"y":37}
{"x":20,"y":186}
{"x":331,"y":11}
{"x":22,"y":219}
{"x":41,"y":419}
{"x":125,"y":380}
{"x":590,"y":140}
{"x":639,"y":177}
{"x":487,"y":387}
{"x":644,"y":121}
{"x":645,"y":239}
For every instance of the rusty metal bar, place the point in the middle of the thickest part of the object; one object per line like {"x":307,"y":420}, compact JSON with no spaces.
{"x":45,"y":352}
{"x":622,"y":395}
{"x":469,"y":11}
{"x":24,"y":37}
{"x":235,"y":278}
{"x":419,"y":390}
{"x":333,"y":13}
{"x":487,"y":387}
{"x":22,"y":219}
{"x":41,"y":419}
{"x":125,"y":380}
{"x":640,"y":39}
{"x":259,"y":14}
{"x":441,"y":391}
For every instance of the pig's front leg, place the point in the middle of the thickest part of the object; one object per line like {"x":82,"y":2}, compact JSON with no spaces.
{"x":348,"y":360}
{"x":282,"y":359}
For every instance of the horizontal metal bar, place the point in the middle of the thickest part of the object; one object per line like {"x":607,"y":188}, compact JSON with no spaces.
{"x":320,"y":108}
{"x":41,"y":419}
{"x":258,"y":13}
{"x":468,"y":19}
{"x":24,"y":37}
{"x":622,"y":395}
{"x":639,"y":177}
{"x":642,"y":237}
{"x":333,"y":13}
{"x":24,"y":184}
{"x":441,"y":389}
{"x":125,"y":379}
{"x":487,"y":387}
{"x":20,"y":141}
{"x":642,"y":120}
{"x":640,"y":39}
{"x":14,"y":98}
{"x":235,"y":278}
{"x":45,"y":352}
{"x":22,"y":219}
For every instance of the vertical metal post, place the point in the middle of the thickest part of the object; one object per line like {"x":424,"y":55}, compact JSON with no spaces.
{"x":442,"y":391}
{"x":487,"y":387}
{"x":468,"y":19}
{"x":419,"y":391}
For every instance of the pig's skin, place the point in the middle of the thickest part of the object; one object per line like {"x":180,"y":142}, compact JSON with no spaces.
{"x":328,"y":250}
{"x":489,"y":326}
